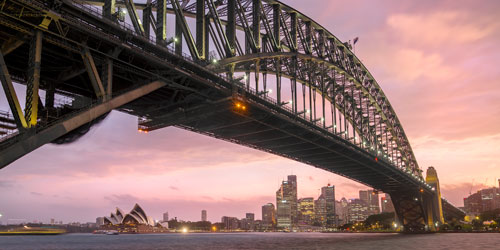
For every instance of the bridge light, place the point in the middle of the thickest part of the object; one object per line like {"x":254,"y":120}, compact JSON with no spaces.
{"x":243,"y":107}
{"x":421,"y":190}
{"x":290,"y":102}
{"x":214,"y":60}
{"x":416,"y":199}
{"x":123,"y":11}
{"x":308,"y":111}
{"x":245,"y":77}
{"x":322,"y":119}
{"x":175,"y":39}
{"x":376,"y":159}
{"x":238,"y":105}
{"x":270,"y":91}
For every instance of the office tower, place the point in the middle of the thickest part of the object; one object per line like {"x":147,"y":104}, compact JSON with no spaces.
{"x":250,"y":221}
{"x":230,"y":223}
{"x":165,"y":216}
{"x":306,"y":210}
{"x":370,"y":198}
{"x":292,"y":179}
{"x":268,"y":216}
{"x":328,"y":194}
{"x":320,"y":211}
{"x":286,"y":203}
{"x":203,"y":215}
{"x":357,"y":211}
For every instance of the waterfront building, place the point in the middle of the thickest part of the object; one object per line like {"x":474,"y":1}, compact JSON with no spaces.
{"x":203,"y":215}
{"x":230,"y":223}
{"x":99,"y":221}
{"x":165,"y":216}
{"x":483,"y":200}
{"x":357,"y":211}
{"x":387,"y":206}
{"x":370,"y":198}
{"x":306,"y":211}
{"x":320,"y":211}
{"x":293,"y":198}
{"x":268,"y":216}
{"x":286,"y":203}
{"x":136,"y":221}
{"x":328,"y":194}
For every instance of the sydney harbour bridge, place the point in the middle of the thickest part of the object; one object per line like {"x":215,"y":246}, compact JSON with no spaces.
{"x":253,"y":72}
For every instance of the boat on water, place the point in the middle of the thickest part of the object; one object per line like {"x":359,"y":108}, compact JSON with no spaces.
{"x":106,"y":232}
{"x":32,"y":231}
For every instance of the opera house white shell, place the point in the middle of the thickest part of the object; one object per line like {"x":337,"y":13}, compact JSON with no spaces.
{"x":137,"y":216}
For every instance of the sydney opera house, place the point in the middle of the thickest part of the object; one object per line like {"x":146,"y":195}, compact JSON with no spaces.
{"x":136,"y":221}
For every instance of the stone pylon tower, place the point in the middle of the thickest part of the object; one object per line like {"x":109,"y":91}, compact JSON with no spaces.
{"x":436,"y":207}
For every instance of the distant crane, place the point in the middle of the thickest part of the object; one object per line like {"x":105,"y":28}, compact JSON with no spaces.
{"x":471,"y":185}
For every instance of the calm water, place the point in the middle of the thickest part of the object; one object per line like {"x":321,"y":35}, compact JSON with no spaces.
{"x":255,"y":241}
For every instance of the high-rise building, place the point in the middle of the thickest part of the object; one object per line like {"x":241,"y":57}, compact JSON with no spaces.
{"x":320,"y":211}
{"x":268,"y":216}
{"x":306,"y":210}
{"x":52,"y":221}
{"x":328,"y":193}
{"x":341,"y":211}
{"x":357,"y":211}
{"x":249,"y":221}
{"x":387,"y":206}
{"x":230,"y":223}
{"x":203,"y":215}
{"x":165,"y":216}
{"x":292,"y":179}
{"x":370,"y":198}
{"x":286,"y":203}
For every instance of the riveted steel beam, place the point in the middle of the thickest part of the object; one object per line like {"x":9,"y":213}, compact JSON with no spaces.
{"x":161,"y":22}
{"x":33,"y":83}
{"x":93,"y":73}
{"x":11,"y":96}
{"x":181,"y":23}
{"x":134,"y":17}
{"x":109,"y":9}
{"x":201,"y":29}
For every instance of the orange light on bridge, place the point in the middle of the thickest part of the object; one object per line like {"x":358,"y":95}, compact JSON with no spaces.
{"x":421,"y":190}
{"x":240,"y":106}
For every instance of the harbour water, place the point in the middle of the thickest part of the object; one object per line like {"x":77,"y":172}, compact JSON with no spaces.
{"x":272,"y":241}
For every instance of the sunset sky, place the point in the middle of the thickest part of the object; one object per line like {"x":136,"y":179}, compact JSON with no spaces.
{"x":437,"y":62}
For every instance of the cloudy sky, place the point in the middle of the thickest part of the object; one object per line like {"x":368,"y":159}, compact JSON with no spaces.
{"x":437,"y":61}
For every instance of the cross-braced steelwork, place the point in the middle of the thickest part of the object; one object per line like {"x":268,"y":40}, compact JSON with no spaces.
{"x":258,"y":73}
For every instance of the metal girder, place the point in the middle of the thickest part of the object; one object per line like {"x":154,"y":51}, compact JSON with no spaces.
{"x":109,"y":9}
{"x":33,"y":83}
{"x":11,"y":96}
{"x":11,"y":44}
{"x":134,"y":17}
{"x":161,"y":22}
{"x":222,"y":36}
{"x":201,"y":30}
{"x":34,"y":141}
{"x":147,"y":14}
{"x":181,"y":21}
{"x":93,"y":73}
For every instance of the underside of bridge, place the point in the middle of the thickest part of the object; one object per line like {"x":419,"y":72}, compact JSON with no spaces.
{"x":91,"y":57}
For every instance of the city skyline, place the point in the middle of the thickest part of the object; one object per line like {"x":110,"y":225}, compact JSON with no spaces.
{"x":455,"y":129}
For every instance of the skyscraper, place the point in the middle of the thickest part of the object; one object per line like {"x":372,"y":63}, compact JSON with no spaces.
{"x":320,"y":211}
{"x":203,"y":215}
{"x":292,"y":179}
{"x":165,"y":216}
{"x":268,"y":216}
{"x":370,"y":198}
{"x":306,"y":210}
{"x":286,"y":203}
{"x":328,"y":194}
